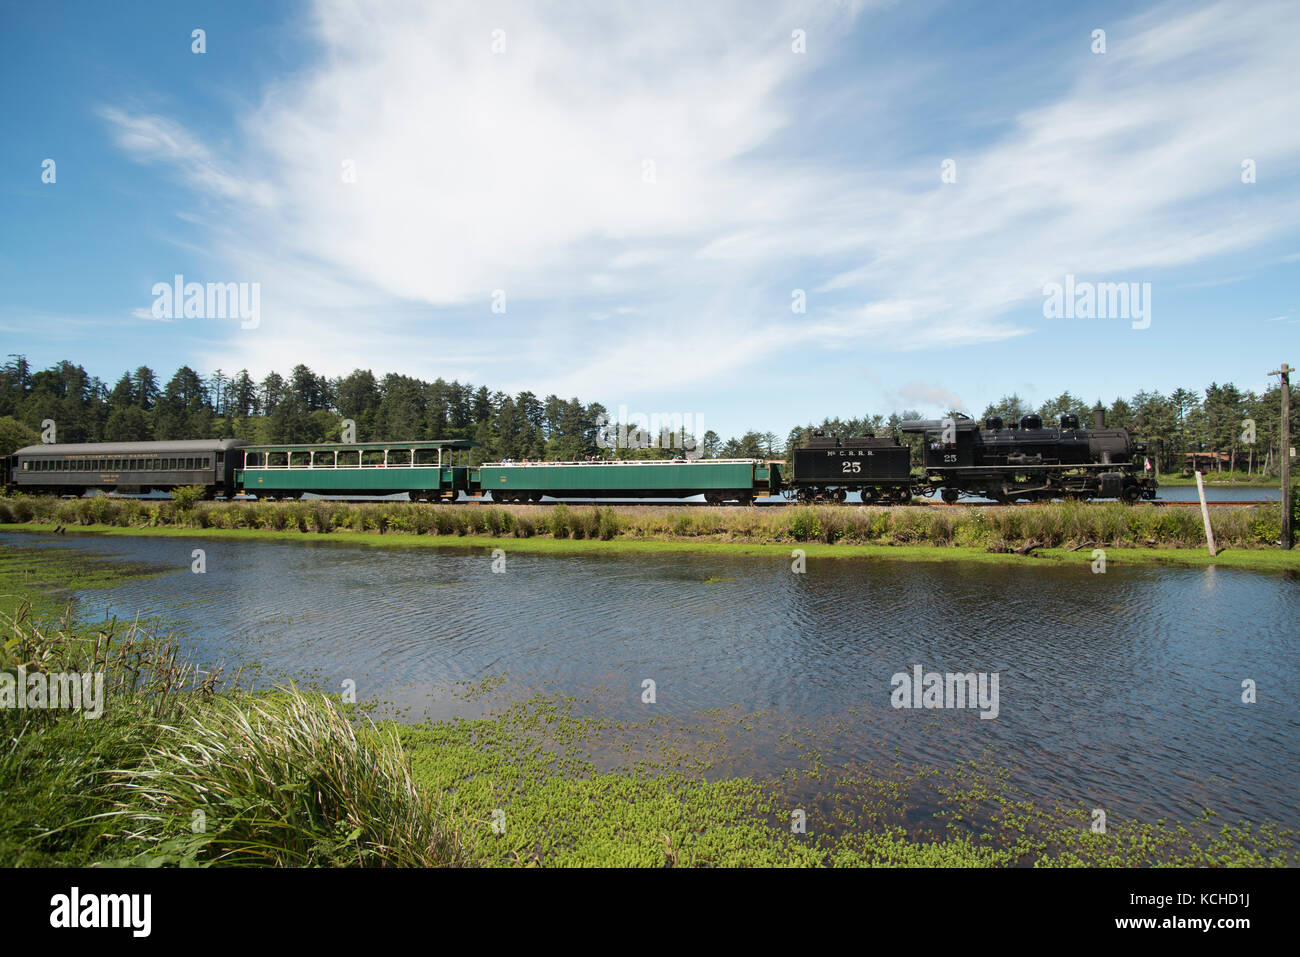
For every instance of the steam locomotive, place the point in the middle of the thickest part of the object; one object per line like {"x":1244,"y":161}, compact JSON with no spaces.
{"x":1004,"y":462}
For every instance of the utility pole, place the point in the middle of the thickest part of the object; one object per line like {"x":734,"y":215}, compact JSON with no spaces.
{"x":1285,"y":452}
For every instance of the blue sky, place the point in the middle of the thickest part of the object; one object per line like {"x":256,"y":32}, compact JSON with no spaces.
{"x":525,"y":170}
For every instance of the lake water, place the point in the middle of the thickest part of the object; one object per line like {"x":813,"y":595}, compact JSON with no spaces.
{"x":1119,"y":690}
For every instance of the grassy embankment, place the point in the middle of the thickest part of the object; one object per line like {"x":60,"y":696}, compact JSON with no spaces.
{"x":1240,"y":479}
{"x":1064,"y":532}
{"x":180,"y":771}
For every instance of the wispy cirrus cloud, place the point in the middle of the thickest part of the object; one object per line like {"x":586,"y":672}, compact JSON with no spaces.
{"x":156,"y":139}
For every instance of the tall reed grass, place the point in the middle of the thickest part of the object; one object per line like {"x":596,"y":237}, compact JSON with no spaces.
{"x":281,"y":780}
{"x":178,"y":771}
{"x":992,"y":528}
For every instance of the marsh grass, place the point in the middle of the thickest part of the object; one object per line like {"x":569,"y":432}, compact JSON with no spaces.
{"x":279,"y":778}
{"x":282,"y":780}
{"x":991,"y":528}
{"x":56,"y":765}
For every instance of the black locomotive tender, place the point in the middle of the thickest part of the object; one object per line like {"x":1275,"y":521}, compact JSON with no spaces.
{"x":827,"y":468}
{"x":1004,"y":463}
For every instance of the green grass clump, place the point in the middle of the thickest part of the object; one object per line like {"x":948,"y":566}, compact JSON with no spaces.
{"x":58,"y":766}
{"x":805,"y":525}
{"x":280,"y":780}
{"x":187,"y":496}
{"x":608,"y":525}
{"x":174,"y":772}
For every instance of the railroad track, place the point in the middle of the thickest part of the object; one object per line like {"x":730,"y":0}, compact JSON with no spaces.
{"x":784,"y":503}
{"x":762,"y":503}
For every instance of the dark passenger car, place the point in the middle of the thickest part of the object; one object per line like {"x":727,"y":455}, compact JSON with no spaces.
{"x":128,"y":467}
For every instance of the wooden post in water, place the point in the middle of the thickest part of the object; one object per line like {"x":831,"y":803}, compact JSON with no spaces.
{"x":1285,"y":453}
{"x":1205,"y":514}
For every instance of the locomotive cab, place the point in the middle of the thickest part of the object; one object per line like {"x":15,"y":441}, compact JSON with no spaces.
{"x":948,"y":443}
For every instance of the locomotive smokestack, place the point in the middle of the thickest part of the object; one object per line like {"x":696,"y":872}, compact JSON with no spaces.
{"x":1098,"y":418}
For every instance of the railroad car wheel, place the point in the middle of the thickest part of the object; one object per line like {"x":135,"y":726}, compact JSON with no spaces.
{"x":1131,"y":495}
{"x":840,"y":495}
{"x":950,"y":495}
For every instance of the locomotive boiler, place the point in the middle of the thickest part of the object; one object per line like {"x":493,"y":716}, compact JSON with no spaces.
{"x":1026,"y":460}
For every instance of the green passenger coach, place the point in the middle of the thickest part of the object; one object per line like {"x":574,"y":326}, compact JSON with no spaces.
{"x":436,"y":471}
{"x":718,"y":480}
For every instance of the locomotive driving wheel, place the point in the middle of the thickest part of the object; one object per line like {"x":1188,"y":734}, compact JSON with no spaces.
{"x":950,"y":495}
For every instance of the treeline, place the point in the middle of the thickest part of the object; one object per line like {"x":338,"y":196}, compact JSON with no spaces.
{"x":302,"y":407}
{"x":1221,"y":419}
{"x":306,"y":407}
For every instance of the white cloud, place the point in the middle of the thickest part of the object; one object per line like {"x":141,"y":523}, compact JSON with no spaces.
{"x":156,"y":139}
{"x":523,"y":171}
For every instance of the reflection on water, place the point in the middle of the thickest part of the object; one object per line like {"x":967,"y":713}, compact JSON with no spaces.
{"x":1120,"y":690}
